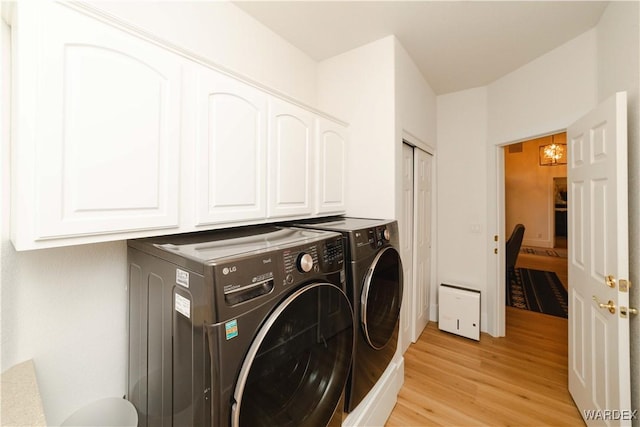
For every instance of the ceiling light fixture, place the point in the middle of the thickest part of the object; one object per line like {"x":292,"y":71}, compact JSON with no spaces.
{"x":553,"y":154}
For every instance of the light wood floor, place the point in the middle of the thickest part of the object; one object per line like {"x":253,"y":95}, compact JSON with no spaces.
{"x":518,"y":380}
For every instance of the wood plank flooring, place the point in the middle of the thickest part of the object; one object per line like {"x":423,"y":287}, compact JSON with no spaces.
{"x":518,"y":380}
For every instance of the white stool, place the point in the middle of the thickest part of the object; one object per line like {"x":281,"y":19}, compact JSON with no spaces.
{"x":111,"y":411}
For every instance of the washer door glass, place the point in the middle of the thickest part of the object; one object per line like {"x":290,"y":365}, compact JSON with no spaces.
{"x":381,"y":298}
{"x":295,"y":371}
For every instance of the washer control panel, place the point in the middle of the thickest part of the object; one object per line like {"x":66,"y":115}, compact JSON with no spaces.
{"x":324,"y":257}
{"x":246,"y":278}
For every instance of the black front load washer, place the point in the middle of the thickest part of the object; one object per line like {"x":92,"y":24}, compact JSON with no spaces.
{"x":375,"y":286}
{"x":246,"y":327}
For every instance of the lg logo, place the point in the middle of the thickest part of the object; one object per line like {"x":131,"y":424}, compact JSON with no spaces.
{"x":228,"y":270}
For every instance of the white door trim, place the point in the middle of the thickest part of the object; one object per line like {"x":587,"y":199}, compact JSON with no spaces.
{"x":496,"y":265}
{"x":412,"y":140}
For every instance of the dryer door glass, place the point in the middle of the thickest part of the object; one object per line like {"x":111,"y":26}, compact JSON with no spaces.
{"x":381,"y":298}
{"x":296,"y":368}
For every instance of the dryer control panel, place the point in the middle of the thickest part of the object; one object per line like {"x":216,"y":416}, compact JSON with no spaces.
{"x":369,"y":240}
{"x":375,"y":237}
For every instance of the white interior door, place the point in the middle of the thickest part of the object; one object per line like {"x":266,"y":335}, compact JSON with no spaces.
{"x":422,"y":241}
{"x":599,"y":264}
{"x":406,"y":246}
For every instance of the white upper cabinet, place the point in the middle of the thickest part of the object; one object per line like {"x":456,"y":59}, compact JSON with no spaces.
{"x":231,"y":135}
{"x":291,"y":159}
{"x":97,"y":122}
{"x":117,"y":135}
{"x":331,"y":163}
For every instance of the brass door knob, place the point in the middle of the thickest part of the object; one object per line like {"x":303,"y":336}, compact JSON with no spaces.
{"x":610,"y":305}
{"x":610,"y":281}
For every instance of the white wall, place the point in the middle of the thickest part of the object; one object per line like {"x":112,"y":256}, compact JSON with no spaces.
{"x":5,"y":118}
{"x":545,"y":95}
{"x":618,"y":39}
{"x":66,"y":308}
{"x":415,"y":100}
{"x":462,"y":192}
{"x":224,"y":34}
{"x":358,"y":87}
{"x":416,"y":120}
{"x":379,"y":91}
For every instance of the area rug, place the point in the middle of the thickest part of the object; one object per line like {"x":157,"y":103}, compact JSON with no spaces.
{"x":556,"y":252}
{"x":537,"y":290}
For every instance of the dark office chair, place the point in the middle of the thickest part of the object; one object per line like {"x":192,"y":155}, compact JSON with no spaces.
{"x":513,"y":246}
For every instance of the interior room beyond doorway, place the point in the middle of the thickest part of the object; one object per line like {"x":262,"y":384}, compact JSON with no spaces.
{"x":536,"y":196}
{"x":536,"y":191}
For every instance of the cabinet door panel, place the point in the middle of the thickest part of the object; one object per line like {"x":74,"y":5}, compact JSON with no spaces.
{"x":331,"y":172}
{"x":231,"y":150}
{"x":291,"y":155}
{"x":99,"y":136}
{"x":106,"y":127}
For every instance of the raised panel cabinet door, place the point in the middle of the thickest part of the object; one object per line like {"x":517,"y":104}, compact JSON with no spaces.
{"x":331,"y":164}
{"x":291,"y":156}
{"x":98,"y":135}
{"x":231,"y":150}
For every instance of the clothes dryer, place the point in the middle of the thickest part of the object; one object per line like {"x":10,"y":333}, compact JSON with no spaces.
{"x":246,"y":327}
{"x":375,"y":286}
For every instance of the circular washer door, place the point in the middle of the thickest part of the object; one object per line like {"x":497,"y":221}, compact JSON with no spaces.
{"x":297,"y":366}
{"x":381,"y":298}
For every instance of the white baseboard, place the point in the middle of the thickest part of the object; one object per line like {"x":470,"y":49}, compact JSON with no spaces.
{"x":433,"y":312}
{"x":538,"y":243}
{"x":376,"y":407}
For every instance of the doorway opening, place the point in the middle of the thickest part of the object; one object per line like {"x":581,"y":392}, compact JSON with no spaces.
{"x":535,"y":195}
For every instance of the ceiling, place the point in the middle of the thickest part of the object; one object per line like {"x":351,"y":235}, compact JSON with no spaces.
{"x":456,"y":45}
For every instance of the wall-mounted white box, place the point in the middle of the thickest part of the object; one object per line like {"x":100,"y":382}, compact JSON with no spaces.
{"x":459,"y":311}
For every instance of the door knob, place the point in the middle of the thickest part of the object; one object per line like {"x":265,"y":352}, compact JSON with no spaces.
{"x":611,"y":306}
{"x":610,"y":281}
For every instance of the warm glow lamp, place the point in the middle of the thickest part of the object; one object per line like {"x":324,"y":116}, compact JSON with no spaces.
{"x":553,"y":154}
